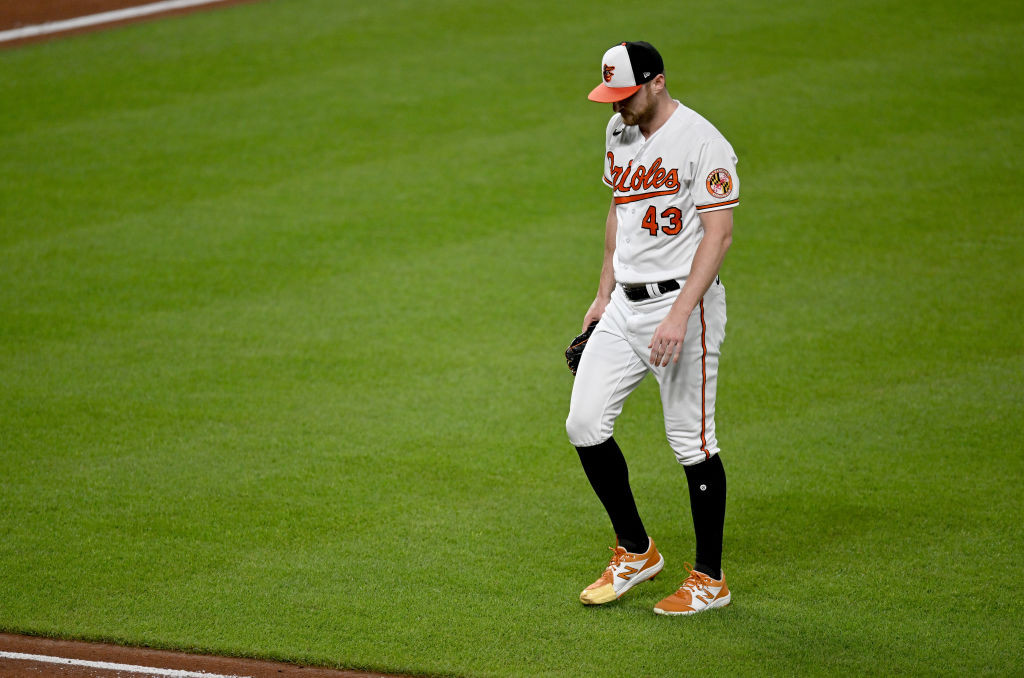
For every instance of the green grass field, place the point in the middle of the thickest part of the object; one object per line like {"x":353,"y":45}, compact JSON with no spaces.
{"x":283,"y":294}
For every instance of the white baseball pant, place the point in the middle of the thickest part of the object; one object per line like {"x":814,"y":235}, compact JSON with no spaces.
{"x":617,"y":358}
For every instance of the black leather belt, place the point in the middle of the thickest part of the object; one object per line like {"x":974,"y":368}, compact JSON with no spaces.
{"x":640,"y":292}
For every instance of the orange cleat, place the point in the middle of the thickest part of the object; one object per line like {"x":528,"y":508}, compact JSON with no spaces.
{"x":625,"y":571}
{"x":697,"y":593}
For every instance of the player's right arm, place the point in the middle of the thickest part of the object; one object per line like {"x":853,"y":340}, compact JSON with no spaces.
{"x":607,"y":282}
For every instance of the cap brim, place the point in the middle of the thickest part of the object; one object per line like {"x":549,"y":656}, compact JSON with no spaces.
{"x":606,"y":95}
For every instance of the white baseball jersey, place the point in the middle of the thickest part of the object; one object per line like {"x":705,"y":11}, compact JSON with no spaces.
{"x":662,"y":184}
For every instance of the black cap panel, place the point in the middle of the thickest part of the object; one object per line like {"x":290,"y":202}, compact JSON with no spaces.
{"x":645,"y":60}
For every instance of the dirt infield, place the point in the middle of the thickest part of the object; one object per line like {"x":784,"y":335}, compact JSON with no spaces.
{"x":23,"y":13}
{"x":165,"y":663}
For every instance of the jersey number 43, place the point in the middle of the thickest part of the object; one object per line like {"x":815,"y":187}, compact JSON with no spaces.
{"x":673,"y":215}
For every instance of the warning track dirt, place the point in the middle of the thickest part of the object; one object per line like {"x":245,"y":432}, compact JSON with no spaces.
{"x":24,"y":656}
{"x":24,"y":22}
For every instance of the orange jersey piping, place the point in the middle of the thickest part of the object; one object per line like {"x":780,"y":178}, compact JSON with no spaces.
{"x":717,"y":204}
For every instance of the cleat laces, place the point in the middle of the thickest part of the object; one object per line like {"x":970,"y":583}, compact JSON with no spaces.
{"x":694,"y":583}
{"x":608,"y":576}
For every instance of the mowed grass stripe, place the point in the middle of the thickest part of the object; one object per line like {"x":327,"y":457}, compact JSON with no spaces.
{"x":290,"y":394}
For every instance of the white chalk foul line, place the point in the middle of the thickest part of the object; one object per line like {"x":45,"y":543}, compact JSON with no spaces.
{"x":127,"y":668}
{"x":101,"y":18}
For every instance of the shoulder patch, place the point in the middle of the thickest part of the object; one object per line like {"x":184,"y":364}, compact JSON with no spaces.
{"x":719,"y":183}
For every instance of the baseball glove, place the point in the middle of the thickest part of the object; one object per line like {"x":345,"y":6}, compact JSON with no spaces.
{"x":574,"y":353}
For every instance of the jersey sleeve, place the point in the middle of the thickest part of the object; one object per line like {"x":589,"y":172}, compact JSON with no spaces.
{"x":715,"y":184}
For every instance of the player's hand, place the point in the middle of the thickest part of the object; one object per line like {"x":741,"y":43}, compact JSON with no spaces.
{"x":667,"y":342}
{"x":595,"y":312}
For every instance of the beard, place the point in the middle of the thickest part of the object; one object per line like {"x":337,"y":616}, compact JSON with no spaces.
{"x":631,"y":115}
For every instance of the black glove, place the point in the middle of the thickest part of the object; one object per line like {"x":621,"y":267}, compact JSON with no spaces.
{"x":574,"y":353}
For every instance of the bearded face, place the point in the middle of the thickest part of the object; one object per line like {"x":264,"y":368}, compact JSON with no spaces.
{"x":639,"y":108}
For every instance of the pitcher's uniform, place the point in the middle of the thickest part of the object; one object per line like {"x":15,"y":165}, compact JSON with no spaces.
{"x":661,"y":186}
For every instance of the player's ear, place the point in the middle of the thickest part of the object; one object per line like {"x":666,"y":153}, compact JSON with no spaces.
{"x":658,"y":83}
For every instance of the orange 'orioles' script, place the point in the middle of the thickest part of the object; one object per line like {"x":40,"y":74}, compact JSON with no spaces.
{"x":653,"y":181}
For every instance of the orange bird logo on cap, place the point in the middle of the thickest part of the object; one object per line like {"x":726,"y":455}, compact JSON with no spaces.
{"x":608,"y":70}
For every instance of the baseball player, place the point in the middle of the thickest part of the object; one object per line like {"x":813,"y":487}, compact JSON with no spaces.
{"x":661,"y":309}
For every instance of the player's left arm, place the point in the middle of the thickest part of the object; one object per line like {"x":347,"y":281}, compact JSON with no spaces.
{"x":667,"y":342}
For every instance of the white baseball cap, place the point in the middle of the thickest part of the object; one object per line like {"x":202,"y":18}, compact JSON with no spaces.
{"x":624,"y":69}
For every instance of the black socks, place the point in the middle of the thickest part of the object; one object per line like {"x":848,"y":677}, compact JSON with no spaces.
{"x":608,"y":475}
{"x":606,"y":470}
{"x":707,"y":502}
